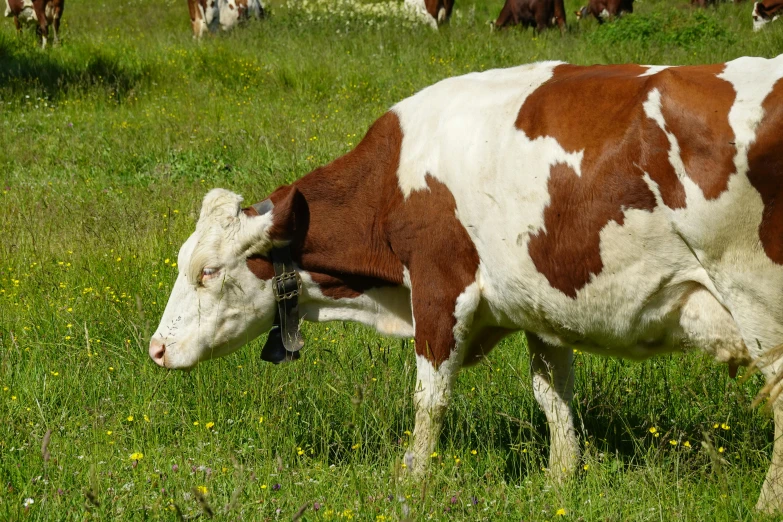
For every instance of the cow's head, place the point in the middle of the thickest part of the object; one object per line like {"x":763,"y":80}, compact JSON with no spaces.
{"x":581,"y":13}
{"x":218,"y":303}
{"x":763,"y":14}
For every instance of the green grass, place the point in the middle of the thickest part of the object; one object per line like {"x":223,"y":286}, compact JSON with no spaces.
{"x":108,"y":144}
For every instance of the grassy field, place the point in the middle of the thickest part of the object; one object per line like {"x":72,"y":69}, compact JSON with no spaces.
{"x":107,"y":145}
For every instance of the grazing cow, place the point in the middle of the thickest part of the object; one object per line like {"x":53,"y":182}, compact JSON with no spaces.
{"x":41,"y":13}
{"x":207,"y":15}
{"x":434,"y":12}
{"x":648,"y":221}
{"x":766,"y":11}
{"x":538,"y":13}
{"x":604,"y":10}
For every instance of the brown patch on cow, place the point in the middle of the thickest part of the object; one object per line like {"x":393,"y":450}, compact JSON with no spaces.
{"x":620,"y":145}
{"x":334,"y":217}
{"x":765,"y":162}
{"x":15,"y":6}
{"x":429,"y":239}
{"x":695,"y":105}
{"x":261,"y":267}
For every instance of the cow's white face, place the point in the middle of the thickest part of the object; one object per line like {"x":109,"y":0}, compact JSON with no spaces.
{"x":217,"y":304}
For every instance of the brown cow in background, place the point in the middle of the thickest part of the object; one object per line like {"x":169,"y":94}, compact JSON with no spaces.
{"x":604,"y":10}
{"x":538,"y":13}
{"x":43,"y":13}
{"x":765,"y":12}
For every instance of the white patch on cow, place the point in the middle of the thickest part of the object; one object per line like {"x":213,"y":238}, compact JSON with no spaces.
{"x":387,"y":309}
{"x":653,"y":110}
{"x":752,"y":79}
{"x":604,"y":15}
{"x":420,"y":10}
{"x":466,"y":305}
{"x":441,"y":15}
{"x":654,"y":69}
{"x":229,"y":14}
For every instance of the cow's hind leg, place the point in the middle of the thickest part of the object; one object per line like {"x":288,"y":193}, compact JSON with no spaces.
{"x":553,"y":386}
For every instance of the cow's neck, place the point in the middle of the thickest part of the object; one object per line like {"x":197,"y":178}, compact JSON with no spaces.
{"x":345,"y":247}
{"x":350,"y":270}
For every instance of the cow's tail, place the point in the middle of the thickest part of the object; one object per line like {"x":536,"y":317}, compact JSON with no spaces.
{"x":774,"y":387}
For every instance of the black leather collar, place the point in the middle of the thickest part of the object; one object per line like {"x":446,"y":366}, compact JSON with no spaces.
{"x":285,"y":340}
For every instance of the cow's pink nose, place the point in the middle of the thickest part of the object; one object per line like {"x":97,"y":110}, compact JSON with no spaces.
{"x":157,"y":351}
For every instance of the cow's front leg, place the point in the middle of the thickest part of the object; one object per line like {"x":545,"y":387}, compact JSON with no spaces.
{"x":771,"y":497}
{"x":553,"y":386}
{"x":442,"y":328}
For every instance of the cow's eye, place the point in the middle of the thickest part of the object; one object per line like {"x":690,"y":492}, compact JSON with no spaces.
{"x":208,"y":273}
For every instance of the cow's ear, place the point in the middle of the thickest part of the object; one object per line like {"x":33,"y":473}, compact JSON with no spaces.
{"x":290,"y":217}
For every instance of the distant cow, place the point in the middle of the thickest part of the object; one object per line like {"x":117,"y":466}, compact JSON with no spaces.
{"x":532,"y":13}
{"x":208,"y":15}
{"x":41,"y":13}
{"x":766,"y":11}
{"x":645,"y":221}
{"x":434,"y":12}
{"x":604,"y":10}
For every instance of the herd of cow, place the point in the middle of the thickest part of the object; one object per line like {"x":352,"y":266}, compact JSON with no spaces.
{"x":211,"y":15}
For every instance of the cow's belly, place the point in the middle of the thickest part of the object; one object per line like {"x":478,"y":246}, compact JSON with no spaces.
{"x":633,"y":307}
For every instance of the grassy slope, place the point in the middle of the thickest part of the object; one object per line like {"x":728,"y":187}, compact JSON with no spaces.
{"x":108,"y":144}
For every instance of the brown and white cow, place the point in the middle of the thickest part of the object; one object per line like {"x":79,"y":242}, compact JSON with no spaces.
{"x":532,"y":13}
{"x":604,"y":10}
{"x":765,"y":12}
{"x":41,"y":13}
{"x":648,"y":221}
{"x":433,"y":12}
{"x":208,"y":15}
